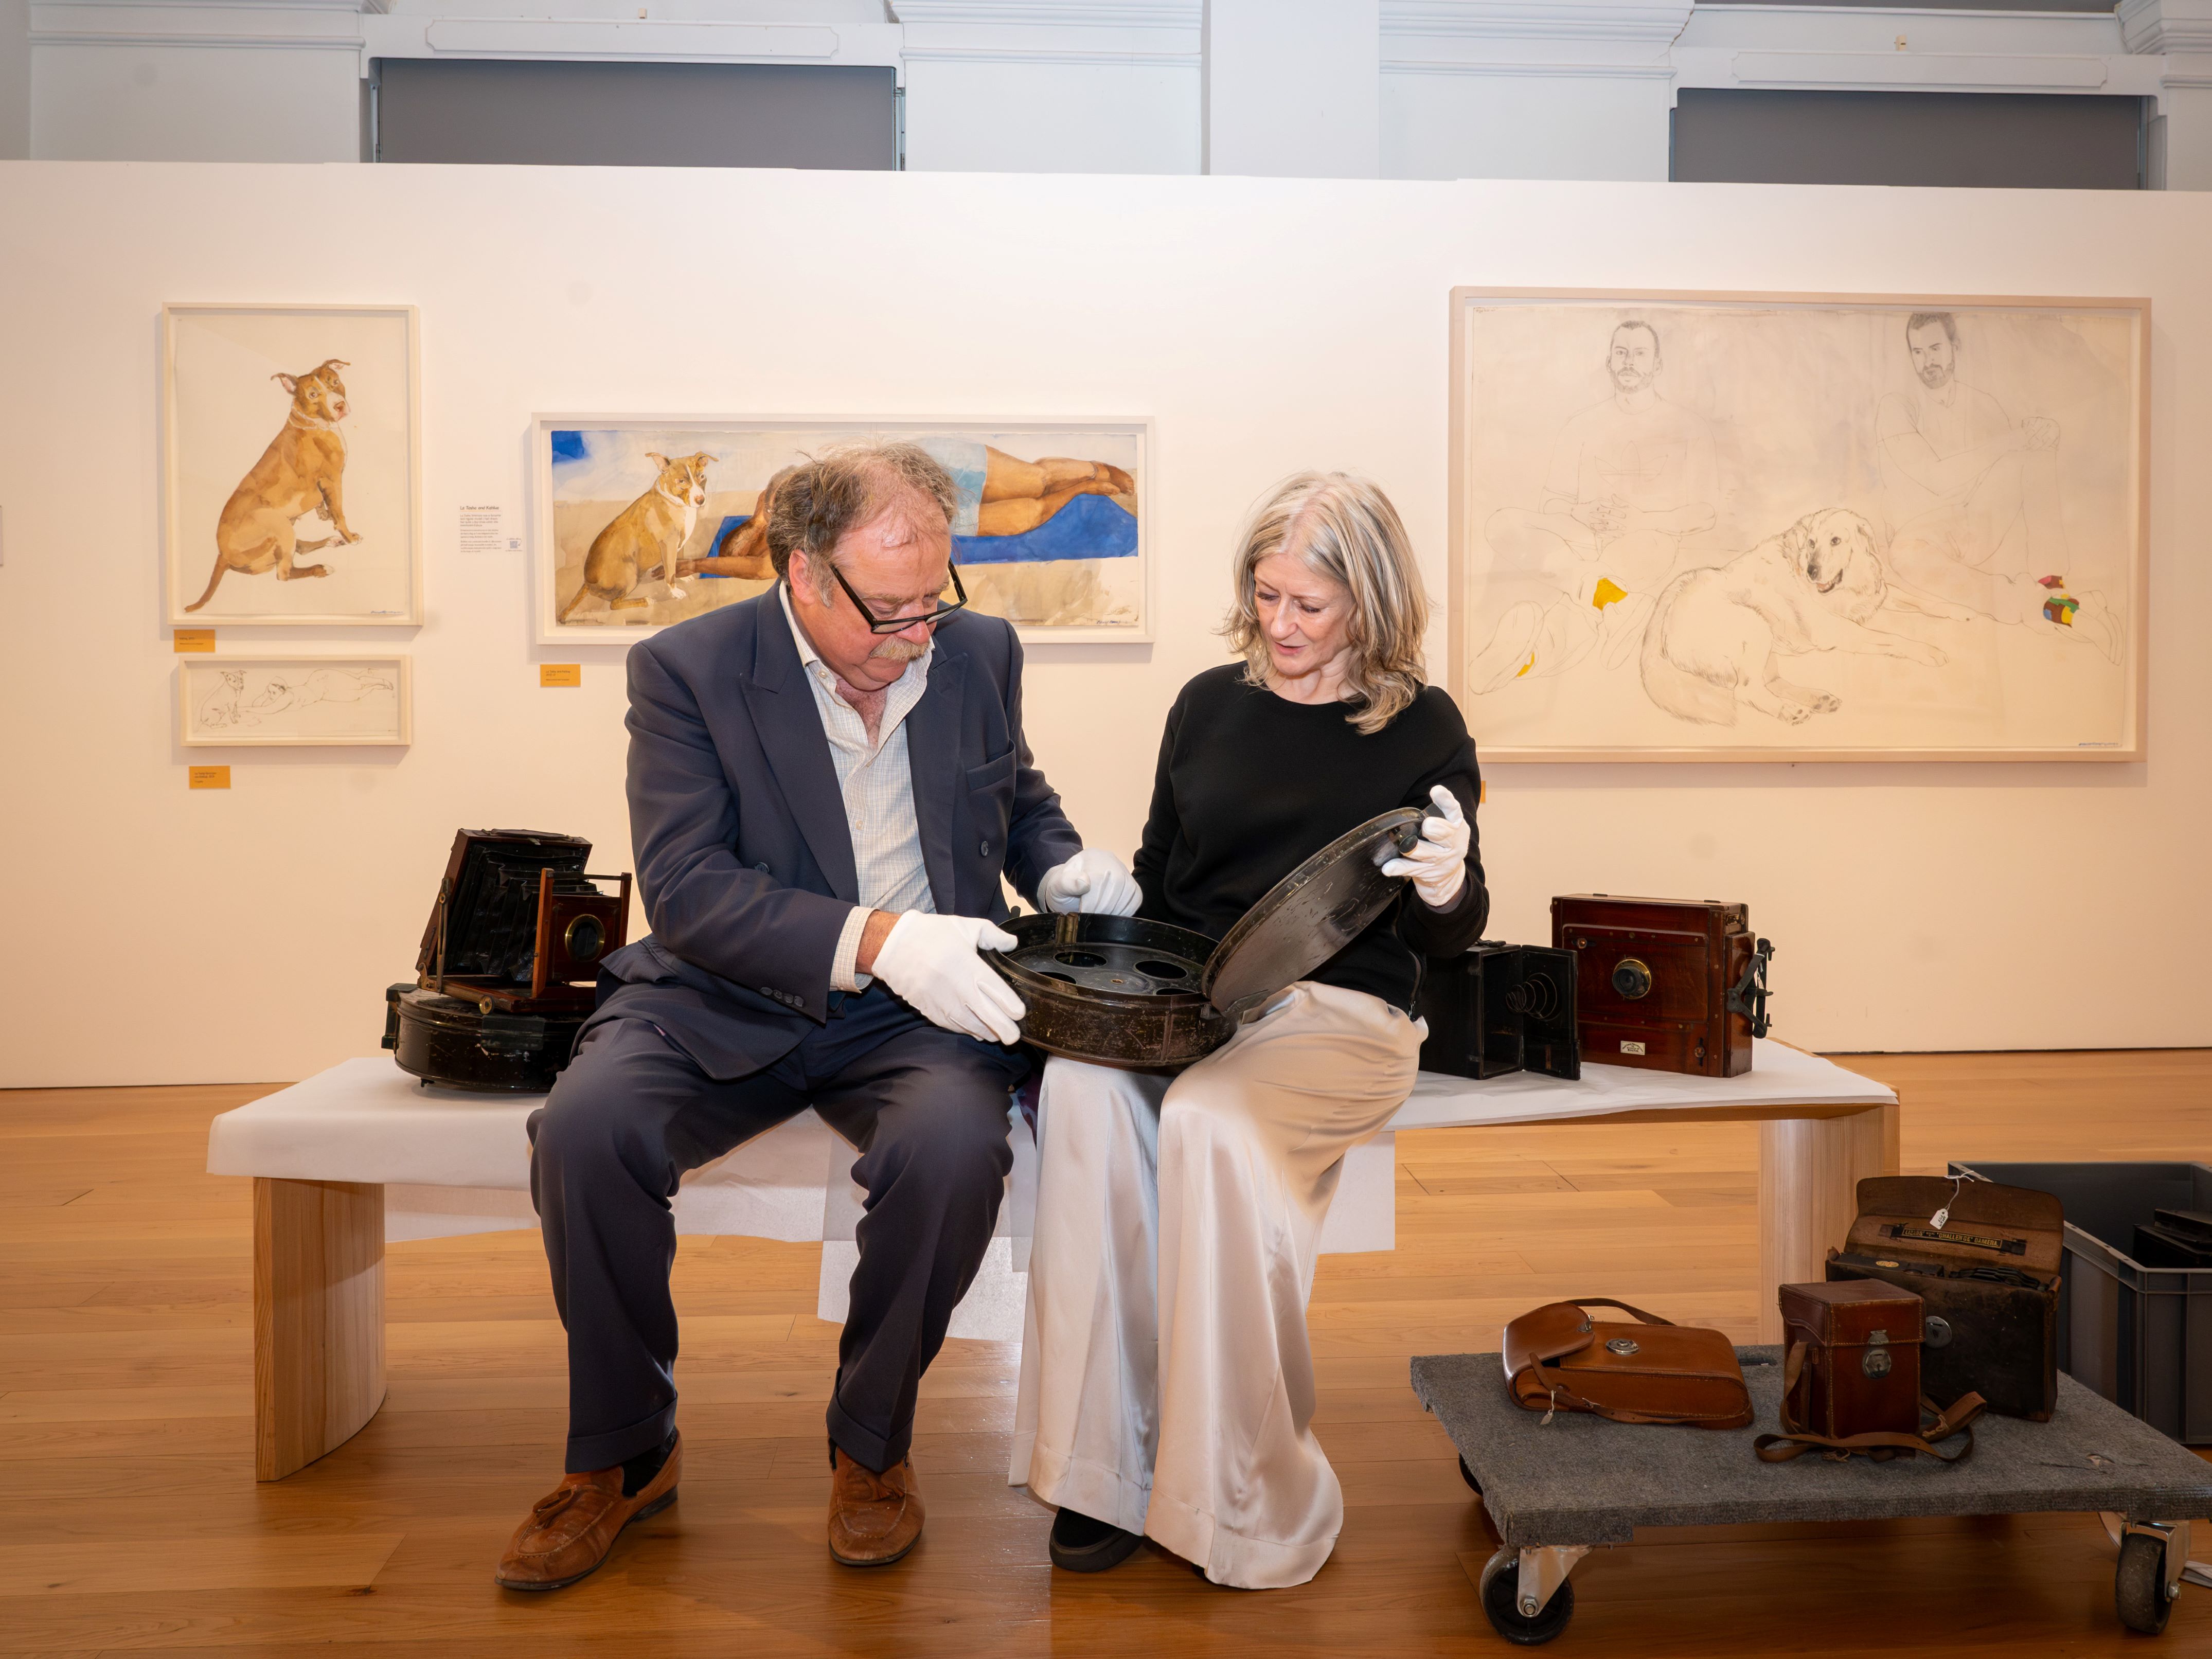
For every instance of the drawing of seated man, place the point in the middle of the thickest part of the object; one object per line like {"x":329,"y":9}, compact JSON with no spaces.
{"x":1972,"y":496}
{"x":1629,"y":478}
{"x":997,"y":494}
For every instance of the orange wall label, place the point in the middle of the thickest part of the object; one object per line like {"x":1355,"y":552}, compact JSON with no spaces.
{"x":209,"y":777}
{"x":560,"y":673}
{"x":192,"y":639}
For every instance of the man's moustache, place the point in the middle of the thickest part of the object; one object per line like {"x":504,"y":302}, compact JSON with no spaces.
{"x":898,"y":650}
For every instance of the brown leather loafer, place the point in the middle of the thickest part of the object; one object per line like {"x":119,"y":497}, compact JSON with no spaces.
{"x":874,"y":1519}
{"x":573,"y":1527}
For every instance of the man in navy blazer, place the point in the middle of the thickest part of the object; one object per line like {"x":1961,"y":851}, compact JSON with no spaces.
{"x":826,"y":784}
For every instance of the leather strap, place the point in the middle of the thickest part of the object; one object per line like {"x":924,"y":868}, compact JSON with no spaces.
{"x":1795,"y":1440}
{"x":1608,"y":1302}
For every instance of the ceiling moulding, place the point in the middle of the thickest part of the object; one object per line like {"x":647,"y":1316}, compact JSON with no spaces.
{"x":2153,"y":27}
{"x":1536,"y":20}
{"x":584,"y":37}
{"x":1044,"y":13}
{"x":1923,"y":71}
{"x":294,"y":26}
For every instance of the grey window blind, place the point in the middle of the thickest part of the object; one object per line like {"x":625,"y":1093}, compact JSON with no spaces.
{"x":605,"y":114}
{"x":2026,"y":141}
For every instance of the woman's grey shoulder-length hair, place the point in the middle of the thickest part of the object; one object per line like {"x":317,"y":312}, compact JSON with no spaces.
{"x":1342,"y":527}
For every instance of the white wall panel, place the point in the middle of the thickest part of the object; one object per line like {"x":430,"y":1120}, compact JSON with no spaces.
{"x":1503,"y":125}
{"x":973,"y":112}
{"x":195,"y":103}
{"x":166,"y":935}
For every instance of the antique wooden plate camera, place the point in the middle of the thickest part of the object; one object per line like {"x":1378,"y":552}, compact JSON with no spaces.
{"x":496,"y":1003}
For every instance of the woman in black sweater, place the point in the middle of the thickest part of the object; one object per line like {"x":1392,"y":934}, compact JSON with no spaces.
{"x":1167,"y":1387}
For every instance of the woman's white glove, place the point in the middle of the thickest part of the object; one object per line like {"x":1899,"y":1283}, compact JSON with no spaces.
{"x":1094,"y":882}
{"x":1437,"y":864}
{"x":932,"y":962}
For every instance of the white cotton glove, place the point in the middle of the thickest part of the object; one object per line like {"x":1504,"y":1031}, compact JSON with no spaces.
{"x":932,"y":962}
{"x":1438,"y":865}
{"x":1094,"y":882}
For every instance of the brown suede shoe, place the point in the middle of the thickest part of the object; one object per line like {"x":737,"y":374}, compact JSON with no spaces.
{"x":874,"y":1519}
{"x":573,"y":1527}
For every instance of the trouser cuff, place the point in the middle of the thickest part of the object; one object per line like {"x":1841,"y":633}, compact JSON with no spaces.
{"x":864,"y":1446}
{"x":587,"y":1452}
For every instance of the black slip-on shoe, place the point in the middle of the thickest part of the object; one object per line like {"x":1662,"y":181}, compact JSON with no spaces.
{"x":1082,"y":1544}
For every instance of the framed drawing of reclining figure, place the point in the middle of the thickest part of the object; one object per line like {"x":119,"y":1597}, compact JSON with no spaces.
{"x":1799,"y":527}
{"x":291,"y":464}
{"x":643,"y":521}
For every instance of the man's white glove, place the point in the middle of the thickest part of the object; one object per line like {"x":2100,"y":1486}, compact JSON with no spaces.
{"x":1437,"y":864}
{"x":1094,"y":882}
{"x":932,"y":962}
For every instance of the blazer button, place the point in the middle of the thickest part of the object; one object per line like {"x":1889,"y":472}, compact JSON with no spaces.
{"x":985,"y":849}
{"x":762,"y":868}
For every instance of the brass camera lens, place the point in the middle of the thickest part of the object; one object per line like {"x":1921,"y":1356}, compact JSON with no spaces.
{"x":1632,"y":978}
{"x":586,"y":938}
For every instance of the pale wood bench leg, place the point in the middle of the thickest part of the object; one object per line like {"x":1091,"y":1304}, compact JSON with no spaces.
{"x":318,"y":1318}
{"x":1809,"y":1169}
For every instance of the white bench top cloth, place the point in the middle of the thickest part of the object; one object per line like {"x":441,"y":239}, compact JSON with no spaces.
{"x":453,"y":1162}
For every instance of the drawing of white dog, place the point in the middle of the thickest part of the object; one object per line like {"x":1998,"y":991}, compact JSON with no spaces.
{"x":1717,"y":636}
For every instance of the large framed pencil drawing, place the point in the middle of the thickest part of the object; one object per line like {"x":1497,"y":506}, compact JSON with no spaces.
{"x":1732,"y":526}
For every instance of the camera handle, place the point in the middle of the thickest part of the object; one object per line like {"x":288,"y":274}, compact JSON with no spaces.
{"x":1748,"y":996}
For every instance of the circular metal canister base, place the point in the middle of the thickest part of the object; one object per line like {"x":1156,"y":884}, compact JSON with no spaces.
{"x":1113,"y":990}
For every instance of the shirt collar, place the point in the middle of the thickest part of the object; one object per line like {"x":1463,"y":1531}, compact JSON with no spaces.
{"x":812,"y":659}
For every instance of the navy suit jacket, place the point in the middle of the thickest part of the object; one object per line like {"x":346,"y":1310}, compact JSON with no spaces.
{"x":745,"y":859}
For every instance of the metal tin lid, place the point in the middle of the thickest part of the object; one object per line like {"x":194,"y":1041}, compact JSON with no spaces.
{"x":1309,"y":914}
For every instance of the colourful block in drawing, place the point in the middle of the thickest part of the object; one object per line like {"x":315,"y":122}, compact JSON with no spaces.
{"x":2060,"y":608}
{"x":1607,"y":594}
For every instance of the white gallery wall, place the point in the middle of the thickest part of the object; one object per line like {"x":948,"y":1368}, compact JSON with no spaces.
{"x":168,"y":935}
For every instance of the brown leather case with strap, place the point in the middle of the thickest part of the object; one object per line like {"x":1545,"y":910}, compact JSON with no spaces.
{"x":1559,"y":1358}
{"x":1851,"y":1378}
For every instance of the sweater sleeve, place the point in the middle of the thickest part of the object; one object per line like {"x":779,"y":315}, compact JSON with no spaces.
{"x":1162,"y":823}
{"x":1449,"y":932}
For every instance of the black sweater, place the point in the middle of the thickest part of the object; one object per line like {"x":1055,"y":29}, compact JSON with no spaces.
{"x":1251,"y":784}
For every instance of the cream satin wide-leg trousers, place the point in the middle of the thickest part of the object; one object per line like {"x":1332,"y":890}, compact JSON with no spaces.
{"x":1166,"y":1384}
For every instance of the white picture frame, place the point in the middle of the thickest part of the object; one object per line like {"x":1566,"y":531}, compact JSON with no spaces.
{"x":352,"y":700}
{"x":602,"y":456}
{"x":248,"y":460}
{"x":1793,"y":407}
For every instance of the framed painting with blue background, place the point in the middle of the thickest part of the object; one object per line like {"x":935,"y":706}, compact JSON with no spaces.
{"x":640,"y":522}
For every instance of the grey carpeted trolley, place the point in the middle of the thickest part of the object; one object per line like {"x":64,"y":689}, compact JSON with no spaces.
{"x":1557,"y":1491}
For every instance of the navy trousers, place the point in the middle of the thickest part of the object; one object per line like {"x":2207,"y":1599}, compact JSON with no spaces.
{"x":926,"y":1107}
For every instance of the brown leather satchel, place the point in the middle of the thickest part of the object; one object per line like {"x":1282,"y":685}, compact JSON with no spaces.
{"x":1851,"y":1378}
{"x":1559,"y":1358}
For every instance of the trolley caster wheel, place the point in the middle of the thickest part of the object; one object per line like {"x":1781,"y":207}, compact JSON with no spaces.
{"x":2139,"y":1584}
{"x":1501,"y":1602}
{"x":1467,"y":1475}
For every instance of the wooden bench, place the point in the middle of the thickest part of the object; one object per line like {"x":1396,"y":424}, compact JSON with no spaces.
{"x":361,"y":1154}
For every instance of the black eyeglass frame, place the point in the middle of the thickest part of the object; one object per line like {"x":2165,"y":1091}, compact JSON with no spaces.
{"x":900,"y":624}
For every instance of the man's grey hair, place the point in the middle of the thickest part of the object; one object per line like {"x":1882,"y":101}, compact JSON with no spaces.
{"x":1922,"y":318}
{"x":812,"y":506}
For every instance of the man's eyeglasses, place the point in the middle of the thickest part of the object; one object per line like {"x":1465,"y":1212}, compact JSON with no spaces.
{"x":900,"y":624}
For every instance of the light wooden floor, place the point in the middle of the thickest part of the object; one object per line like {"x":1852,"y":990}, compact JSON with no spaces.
{"x":132,"y":1523}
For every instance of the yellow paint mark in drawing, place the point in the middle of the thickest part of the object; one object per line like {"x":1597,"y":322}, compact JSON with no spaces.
{"x":1607,"y":594}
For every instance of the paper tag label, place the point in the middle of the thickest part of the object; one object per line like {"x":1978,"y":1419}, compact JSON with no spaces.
{"x":207,"y":777}
{"x":1628,"y":1048}
{"x":192,"y":639}
{"x":483,"y":531}
{"x":560,"y":673}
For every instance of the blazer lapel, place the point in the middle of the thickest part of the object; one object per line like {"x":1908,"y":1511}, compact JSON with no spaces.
{"x":790,"y":735}
{"x":933,"y":750}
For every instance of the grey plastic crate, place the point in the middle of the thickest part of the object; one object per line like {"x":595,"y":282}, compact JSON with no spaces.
{"x":2140,"y":1336}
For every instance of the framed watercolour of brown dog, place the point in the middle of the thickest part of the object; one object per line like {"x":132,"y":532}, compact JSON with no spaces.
{"x":640,"y":522}
{"x":1799,"y":527}
{"x":291,"y":464}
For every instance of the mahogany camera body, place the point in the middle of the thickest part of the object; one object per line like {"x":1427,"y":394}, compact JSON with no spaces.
{"x":1671,"y":985}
